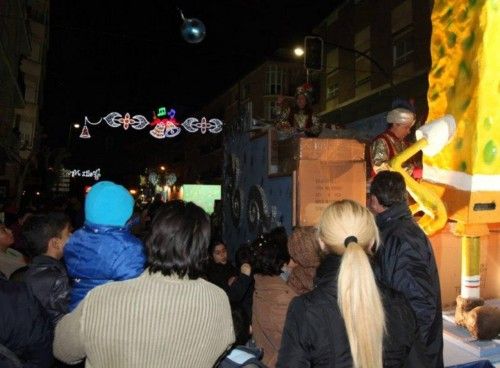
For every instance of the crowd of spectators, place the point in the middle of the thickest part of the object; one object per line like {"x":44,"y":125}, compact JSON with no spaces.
{"x":122,"y":287}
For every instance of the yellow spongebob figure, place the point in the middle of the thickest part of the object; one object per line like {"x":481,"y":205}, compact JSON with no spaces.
{"x":464,"y":81}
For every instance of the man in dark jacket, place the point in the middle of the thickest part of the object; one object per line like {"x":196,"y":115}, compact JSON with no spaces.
{"x":46,"y":236}
{"x":405,"y":262}
{"x":24,"y":328}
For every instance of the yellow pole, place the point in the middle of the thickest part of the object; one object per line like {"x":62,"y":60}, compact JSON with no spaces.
{"x":470,"y":267}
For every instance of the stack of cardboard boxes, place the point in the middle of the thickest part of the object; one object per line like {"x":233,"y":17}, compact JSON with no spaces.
{"x":327,"y":170}
{"x":324,"y":170}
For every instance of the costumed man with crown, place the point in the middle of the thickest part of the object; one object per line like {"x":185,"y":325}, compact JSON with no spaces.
{"x":300,"y":117}
{"x":393,"y":141}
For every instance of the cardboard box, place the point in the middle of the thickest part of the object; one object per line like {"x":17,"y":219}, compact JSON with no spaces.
{"x":329,"y":149}
{"x":284,"y":155}
{"x":319,"y":183}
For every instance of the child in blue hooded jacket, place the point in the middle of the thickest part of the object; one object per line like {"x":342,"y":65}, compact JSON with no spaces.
{"x":103,"y":250}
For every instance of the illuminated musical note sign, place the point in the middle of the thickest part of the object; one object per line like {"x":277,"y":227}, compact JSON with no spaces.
{"x":164,"y":124}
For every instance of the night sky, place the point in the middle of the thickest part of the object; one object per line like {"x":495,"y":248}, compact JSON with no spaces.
{"x":129,"y":56}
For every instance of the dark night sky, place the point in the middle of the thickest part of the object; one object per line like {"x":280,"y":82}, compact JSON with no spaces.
{"x":128,"y":56}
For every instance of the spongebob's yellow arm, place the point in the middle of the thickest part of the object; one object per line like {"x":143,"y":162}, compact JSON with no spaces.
{"x":435,"y":214}
{"x":432,"y":137}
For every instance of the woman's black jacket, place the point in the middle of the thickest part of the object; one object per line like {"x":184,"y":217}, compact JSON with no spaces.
{"x":314,"y":334}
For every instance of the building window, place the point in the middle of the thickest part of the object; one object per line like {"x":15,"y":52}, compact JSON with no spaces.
{"x":403,"y":43}
{"x":332,"y":85}
{"x":270,"y":110}
{"x":403,"y":47}
{"x":362,"y":64}
{"x":274,"y":80}
{"x":401,"y":16}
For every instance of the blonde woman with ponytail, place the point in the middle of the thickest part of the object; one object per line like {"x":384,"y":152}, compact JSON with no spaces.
{"x":347,"y":320}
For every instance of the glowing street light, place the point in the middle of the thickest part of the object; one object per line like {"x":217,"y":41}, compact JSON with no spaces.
{"x":313,"y":55}
{"x":298,"y":51}
{"x":72,"y":127}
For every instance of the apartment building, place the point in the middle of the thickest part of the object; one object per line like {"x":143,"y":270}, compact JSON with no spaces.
{"x":375,"y":51}
{"x":23,"y":48}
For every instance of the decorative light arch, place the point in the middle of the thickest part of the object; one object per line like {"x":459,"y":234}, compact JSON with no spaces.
{"x":164,"y":124}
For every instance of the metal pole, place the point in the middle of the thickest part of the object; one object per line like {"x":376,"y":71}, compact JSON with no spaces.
{"x":69,"y":136}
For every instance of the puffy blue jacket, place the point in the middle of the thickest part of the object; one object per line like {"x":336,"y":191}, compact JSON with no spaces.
{"x":97,"y":254}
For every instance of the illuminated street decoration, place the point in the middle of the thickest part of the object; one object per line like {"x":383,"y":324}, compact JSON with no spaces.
{"x":115,"y":120}
{"x":170,"y":179}
{"x":164,"y":124}
{"x":76,"y":173}
{"x":85,"y":132}
{"x":192,"y":125}
{"x":166,"y":127}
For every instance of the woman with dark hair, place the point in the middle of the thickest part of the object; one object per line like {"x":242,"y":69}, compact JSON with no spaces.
{"x":271,"y":265}
{"x":167,"y":317}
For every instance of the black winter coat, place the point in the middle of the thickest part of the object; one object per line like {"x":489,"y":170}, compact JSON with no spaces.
{"x":405,"y":263}
{"x":24,"y":326}
{"x":314,"y":334}
{"x":48,"y":281}
{"x":240,"y":292}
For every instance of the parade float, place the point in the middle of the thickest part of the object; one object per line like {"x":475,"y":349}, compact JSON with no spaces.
{"x":272,"y":182}
{"x":461,"y":180}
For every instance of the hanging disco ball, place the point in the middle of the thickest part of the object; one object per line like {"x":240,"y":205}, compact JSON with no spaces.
{"x":193,"y":30}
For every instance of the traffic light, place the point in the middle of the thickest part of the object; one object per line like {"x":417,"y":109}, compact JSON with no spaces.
{"x":313,"y":58}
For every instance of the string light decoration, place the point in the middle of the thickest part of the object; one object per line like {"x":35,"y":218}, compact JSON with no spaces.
{"x":164,"y":124}
{"x":192,"y":125}
{"x":166,"y":127}
{"x":85,"y":132}
{"x":96,"y":174}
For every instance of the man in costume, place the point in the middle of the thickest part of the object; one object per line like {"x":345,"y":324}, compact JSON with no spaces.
{"x":393,"y":141}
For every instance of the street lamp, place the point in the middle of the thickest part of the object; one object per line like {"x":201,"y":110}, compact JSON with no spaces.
{"x":299,"y":51}
{"x":71,"y":127}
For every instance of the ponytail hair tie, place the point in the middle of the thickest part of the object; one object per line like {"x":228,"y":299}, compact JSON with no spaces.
{"x":350,"y":239}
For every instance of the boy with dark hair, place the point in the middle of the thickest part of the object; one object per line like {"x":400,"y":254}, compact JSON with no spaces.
{"x":46,"y":236}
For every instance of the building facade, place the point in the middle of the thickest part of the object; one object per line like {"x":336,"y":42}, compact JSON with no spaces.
{"x":23,"y":48}
{"x":395,"y":35}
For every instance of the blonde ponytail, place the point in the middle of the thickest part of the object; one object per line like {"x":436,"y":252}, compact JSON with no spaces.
{"x":361,"y":307}
{"x":358,"y":296}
